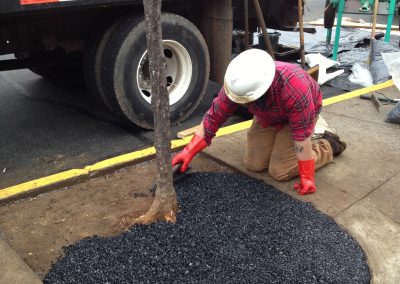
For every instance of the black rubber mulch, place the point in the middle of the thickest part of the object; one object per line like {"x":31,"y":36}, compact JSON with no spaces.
{"x":232,"y":229}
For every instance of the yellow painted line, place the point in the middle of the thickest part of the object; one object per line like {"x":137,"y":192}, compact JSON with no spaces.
{"x":75,"y":173}
{"x":40,"y":183}
{"x":357,"y":93}
{"x":119,"y":160}
{"x":141,"y":154}
{"x":134,"y":156}
{"x":234,"y":128}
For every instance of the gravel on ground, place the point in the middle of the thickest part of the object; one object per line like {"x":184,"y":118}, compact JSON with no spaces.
{"x":231,"y":229}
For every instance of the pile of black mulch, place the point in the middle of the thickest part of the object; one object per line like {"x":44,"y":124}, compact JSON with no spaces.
{"x":231,"y":229}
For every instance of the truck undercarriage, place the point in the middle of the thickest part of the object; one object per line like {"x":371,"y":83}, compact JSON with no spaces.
{"x":102,"y":43}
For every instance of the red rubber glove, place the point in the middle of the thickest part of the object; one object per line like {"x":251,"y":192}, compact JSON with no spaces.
{"x":186,"y":155}
{"x":306,"y":173}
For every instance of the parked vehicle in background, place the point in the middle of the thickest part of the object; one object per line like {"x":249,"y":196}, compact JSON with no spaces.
{"x":102,"y":43}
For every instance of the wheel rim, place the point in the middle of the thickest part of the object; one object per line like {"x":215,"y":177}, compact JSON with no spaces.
{"x":178,"y":75}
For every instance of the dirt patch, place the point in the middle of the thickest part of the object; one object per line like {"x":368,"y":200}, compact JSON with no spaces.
{"x":38,"y":228}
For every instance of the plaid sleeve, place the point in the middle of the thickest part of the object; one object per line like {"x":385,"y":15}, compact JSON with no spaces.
{"x":222,"y":107}
{"x":300,"y":105}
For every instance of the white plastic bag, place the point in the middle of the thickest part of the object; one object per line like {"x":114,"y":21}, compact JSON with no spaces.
{"x":360,"y":74}
{"x":392,"y":61}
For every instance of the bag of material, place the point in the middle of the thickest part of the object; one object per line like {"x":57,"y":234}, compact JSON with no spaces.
{"x":394,"y":115}
{"x":392,"y":61}
{"x":379,"y":67}
{"x":360,"y":74}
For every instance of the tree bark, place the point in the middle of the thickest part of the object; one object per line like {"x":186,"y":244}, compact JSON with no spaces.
{"x":165,"y":203}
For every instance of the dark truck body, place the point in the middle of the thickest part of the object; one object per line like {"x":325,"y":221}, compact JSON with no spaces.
{"x":72,"y":40}
{"x":16,"y":6}
{"x":38,"y":26}
{"x":26,"y":27}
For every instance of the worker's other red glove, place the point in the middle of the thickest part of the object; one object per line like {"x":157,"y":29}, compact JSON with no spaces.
{"x":186,"y":155}
{"x":306,"y":174}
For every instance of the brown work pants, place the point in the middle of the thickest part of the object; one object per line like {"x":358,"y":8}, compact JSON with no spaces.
{"x":268,"y":148}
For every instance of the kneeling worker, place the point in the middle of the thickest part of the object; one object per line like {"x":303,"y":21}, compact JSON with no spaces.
{"x":285,"y":102}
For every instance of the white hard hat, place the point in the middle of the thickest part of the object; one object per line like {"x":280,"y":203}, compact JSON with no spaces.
{"x":249,"y":75}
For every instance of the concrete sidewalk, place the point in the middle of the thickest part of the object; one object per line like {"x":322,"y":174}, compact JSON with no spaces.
{"x":13,"y":268}
{"x":360,"y":189}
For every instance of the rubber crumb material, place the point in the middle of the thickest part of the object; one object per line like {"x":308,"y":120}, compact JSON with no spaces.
{"x":231,"y":229}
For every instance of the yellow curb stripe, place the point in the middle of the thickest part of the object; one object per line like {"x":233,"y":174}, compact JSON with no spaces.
{"x":137,"y":155}
{"x":234,"y":128}
{"x":131,"y":157}
{"x":41,"y":183}
{"x":115,"y":161}
{"x":357,"y":93}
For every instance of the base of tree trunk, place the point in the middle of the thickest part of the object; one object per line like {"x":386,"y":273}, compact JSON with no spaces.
{"x":159,"y":211}
{"x":124,"y":222}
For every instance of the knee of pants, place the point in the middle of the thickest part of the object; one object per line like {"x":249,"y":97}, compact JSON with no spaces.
{"x":255,"y":167}
{"x":278,"y":174}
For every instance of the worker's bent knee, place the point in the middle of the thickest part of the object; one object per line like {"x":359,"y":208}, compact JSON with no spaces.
{"x":281,"y":175}
{"x":255,"y":167}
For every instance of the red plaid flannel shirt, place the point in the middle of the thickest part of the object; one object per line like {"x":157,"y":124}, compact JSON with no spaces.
{"x":293,"y":97}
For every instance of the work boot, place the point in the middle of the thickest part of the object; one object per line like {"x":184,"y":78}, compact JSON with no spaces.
{"x":337,"y":145}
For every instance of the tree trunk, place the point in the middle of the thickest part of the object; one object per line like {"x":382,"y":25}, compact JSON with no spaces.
{"x":165,"y":203}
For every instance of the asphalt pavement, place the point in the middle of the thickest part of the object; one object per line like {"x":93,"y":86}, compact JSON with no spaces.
{"x":48,"y":128}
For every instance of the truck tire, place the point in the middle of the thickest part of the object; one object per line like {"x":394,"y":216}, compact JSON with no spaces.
{"x":93,"y":55}
{"x":125,"y":72}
